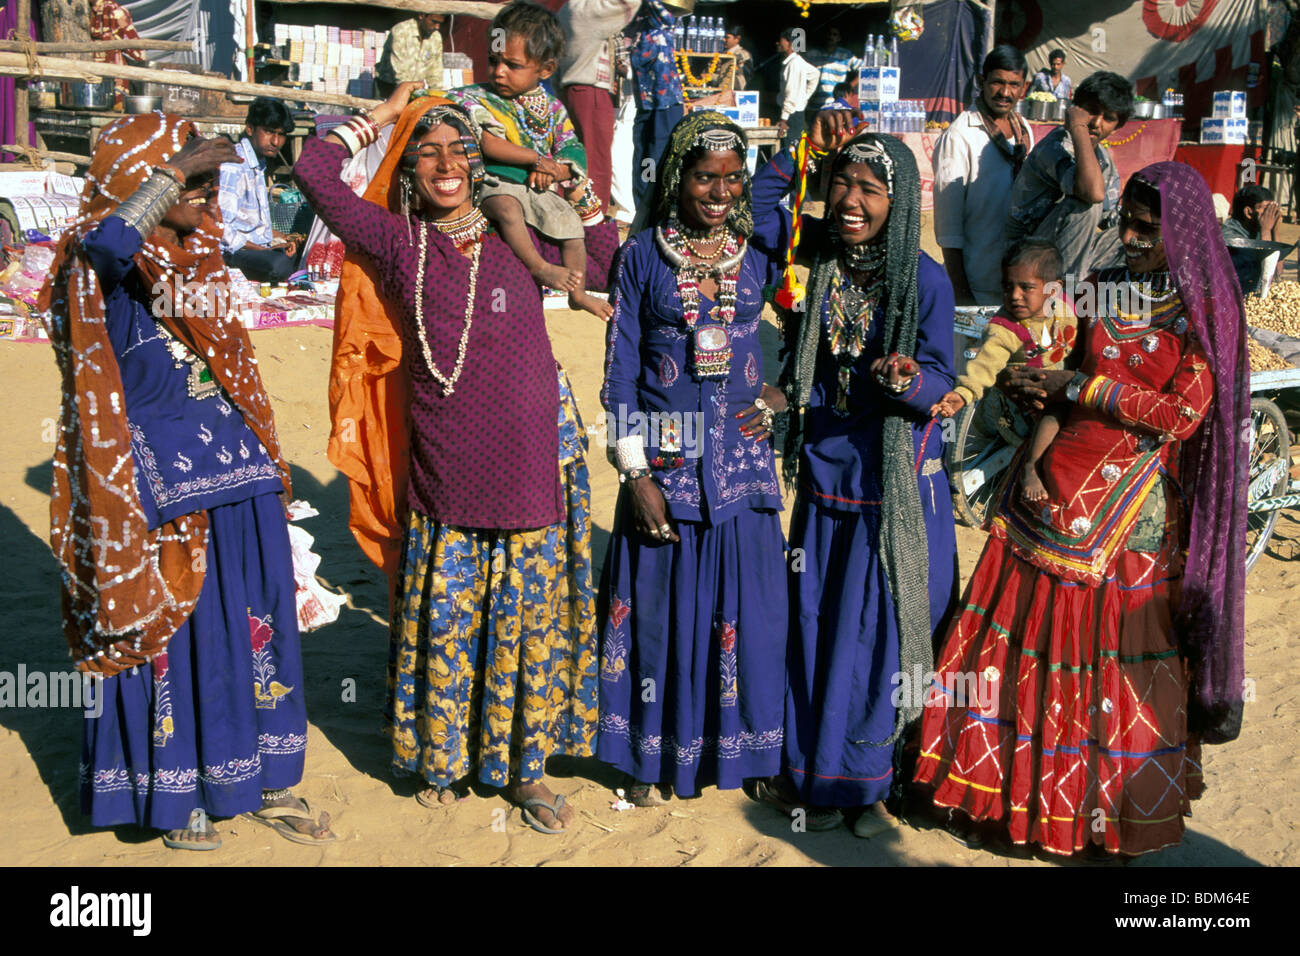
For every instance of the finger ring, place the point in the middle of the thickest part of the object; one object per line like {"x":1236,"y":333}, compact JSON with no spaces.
{"x":768,"y":417}
{"x":761,"y":405}
{"x":665,"y":530}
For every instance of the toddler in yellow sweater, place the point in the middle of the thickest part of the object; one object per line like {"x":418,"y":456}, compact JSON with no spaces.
{"x":1034,"y":328}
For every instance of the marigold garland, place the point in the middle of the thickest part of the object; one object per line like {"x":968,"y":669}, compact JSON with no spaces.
{"x":684,"y":67}
{"x":1111,"y":144}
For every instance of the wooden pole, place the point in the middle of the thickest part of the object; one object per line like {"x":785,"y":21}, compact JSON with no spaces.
{"x":466,"y":8}
{"x":93,"y":46}
{"x":58,"y":68}
{"x":248,"y":39}
{"x":23,"y":29}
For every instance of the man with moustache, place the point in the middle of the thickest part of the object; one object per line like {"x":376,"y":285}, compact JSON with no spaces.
{"x":975,"y":163}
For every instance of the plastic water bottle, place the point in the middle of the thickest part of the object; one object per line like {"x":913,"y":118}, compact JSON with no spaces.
{"x":869,"y":57}
{"x":881,"y":53}
{"x":893,"y":51}
{"x":679,"y":37}
{"x":716,"y":34}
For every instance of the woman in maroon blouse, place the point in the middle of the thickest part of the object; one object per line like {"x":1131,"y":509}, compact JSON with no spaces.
{"x":443,"y":366}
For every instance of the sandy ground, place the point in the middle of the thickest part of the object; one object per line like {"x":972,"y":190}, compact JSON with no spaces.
{"x":1248,"y":817}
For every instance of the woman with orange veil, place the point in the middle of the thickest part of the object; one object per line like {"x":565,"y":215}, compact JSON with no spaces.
{"x":444,"y":396}
{"x":166,"y":518}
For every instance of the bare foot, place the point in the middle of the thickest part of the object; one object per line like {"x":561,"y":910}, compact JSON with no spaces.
{"x":590,"y":303}
{"x":436,"y":797}
{"x":521,"y":793}
{"x":558,"y":277}
{"x":1031,"y":486}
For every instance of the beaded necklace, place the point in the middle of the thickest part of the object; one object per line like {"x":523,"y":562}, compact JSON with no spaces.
{"x":448,"y":383}
{"x":724,"y":266}
{"x":850,"y":309}
{"x":464,"y":230}
{"x":535,"y":114}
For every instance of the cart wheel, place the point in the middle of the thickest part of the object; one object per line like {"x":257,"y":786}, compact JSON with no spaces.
{"x":1270,"y":453}
{"x":977,"y":458}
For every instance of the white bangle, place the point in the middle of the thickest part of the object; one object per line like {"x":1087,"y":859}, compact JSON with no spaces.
{"x":629,"y":453}
{"x":345,"y":132}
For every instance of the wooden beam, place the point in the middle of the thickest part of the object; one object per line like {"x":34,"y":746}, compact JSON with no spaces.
{"x":466,"y":8}
{"x":53,"y":154}
{"x":57,"y":68}
{"x":95,"y":46}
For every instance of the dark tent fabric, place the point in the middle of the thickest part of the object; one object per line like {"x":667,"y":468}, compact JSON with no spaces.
{"x":940,"y":67}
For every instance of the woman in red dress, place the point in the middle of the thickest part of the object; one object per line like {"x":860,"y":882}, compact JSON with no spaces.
{"x":1100,"y":638}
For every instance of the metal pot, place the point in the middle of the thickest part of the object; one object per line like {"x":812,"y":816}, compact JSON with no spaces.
{"x":1158,"y":112}
{"x":87,"y":96}
{"x":1144,"y":109}
{"x":1056,"y":111}
{"x":142,"y":104}
{"x":42,"y":94}
{"x":1041,"y":111}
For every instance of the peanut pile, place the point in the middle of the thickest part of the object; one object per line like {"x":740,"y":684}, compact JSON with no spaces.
{"x":1280,"y":312}
{"x":1264,"y":360}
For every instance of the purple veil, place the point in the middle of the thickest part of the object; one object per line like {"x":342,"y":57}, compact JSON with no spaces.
{"x":1211,"y":615}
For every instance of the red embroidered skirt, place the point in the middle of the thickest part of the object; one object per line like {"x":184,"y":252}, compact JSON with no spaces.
{"x":1061,"y":709}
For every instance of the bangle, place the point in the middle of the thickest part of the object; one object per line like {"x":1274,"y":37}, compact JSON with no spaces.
{"x":632,"y":475}
{"x":171,"y":171}
{"x":629,"y":453}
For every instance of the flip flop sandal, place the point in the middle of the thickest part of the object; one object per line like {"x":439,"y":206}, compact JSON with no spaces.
{"x":179,"y":843}
{"x":764,"y":792}
{"x":432,"y":797}
{"x":533,"y":821}
{"x":276,"y":818}
{"x":823,"y":820}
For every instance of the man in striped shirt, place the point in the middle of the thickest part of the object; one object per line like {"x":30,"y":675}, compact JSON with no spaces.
{"x":836,"y":62}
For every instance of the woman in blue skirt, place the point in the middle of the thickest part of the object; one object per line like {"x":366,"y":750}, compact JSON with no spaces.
{"x":872,"y":543}
{"x":167,"y":517}
{"x":692,"y":608}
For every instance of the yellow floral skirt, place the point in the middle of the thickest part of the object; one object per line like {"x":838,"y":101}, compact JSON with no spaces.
{"x":492,"y":658}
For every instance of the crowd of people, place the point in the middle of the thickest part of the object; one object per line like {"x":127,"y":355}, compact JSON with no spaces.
{"x":840,"y":676}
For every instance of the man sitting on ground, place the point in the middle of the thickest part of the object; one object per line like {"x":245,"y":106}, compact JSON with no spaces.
{"x":248,"y":243}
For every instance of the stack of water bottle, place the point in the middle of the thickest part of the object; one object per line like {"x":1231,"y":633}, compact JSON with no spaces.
{"x":699,"y":35}
{"x":1173,"y":104}
{"x":902,"y":116}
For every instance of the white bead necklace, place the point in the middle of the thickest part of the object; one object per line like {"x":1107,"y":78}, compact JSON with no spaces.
{"x":448,"y":383}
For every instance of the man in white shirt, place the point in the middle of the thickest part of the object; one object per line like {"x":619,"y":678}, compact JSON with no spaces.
{"x":975,"y":162}
{"x":799,"y":80}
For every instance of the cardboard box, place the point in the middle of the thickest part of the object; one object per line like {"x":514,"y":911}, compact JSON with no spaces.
{"x":747,"y":103}
{"x":1229,"y":104}
{"x":1224,"y":130}
{"x":879,"y":83}
{"x":751,"y":159}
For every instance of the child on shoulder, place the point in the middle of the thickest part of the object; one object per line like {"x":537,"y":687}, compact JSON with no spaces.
{"x":530,"y":147}
{"x":1034,"y":329}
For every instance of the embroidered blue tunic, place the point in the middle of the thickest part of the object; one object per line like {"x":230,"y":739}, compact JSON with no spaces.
{"x":191,"y":454}
{"x":649,"y":388}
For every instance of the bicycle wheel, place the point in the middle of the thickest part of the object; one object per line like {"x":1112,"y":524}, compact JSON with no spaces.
{"x":977,"y":457}
{"x":1270,"y":467}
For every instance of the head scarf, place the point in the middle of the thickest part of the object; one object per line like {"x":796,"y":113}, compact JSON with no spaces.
{"x":1212,"y":611}
{"x":902,"y":540}
{"x":369,"y":392}
{"x":127,"y":589}
{"x":709,"y":130}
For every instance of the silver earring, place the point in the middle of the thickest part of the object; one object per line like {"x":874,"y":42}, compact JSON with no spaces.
{"x":406,"y":206}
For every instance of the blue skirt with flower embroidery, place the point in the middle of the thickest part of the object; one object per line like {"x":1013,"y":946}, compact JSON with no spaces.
{"x":220,"y":715}
{"x":693,"y":638}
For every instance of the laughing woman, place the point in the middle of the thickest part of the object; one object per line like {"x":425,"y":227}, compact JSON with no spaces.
{"x":444,"y":397}
{"x":1106,"y":626}
{"x":693,"y":595}
{"x":872,"y":539}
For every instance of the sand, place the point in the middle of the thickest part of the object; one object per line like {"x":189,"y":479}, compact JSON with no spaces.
{"x":1248,"y":816}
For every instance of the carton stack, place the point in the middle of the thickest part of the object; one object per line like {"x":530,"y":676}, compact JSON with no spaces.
{"x":330,"y":59}
{"x":877,"y":85}
{"x":1227,"y":122}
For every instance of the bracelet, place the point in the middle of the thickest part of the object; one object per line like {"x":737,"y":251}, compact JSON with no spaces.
{"x":632,"y":475}
{"x":357,"y":133}
{"x":171,"y":171}
{"x":145,"y":207}
{"x":629,"y":453}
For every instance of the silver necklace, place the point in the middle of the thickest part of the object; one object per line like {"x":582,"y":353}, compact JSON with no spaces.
{"x":448,"y":383}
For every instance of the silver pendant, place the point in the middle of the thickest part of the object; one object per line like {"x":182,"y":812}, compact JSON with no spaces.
{"x":1111,"y":351}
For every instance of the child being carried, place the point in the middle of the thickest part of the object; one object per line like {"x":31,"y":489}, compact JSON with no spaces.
{"x":530,"y":146}
{"x":1034,"y":329}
